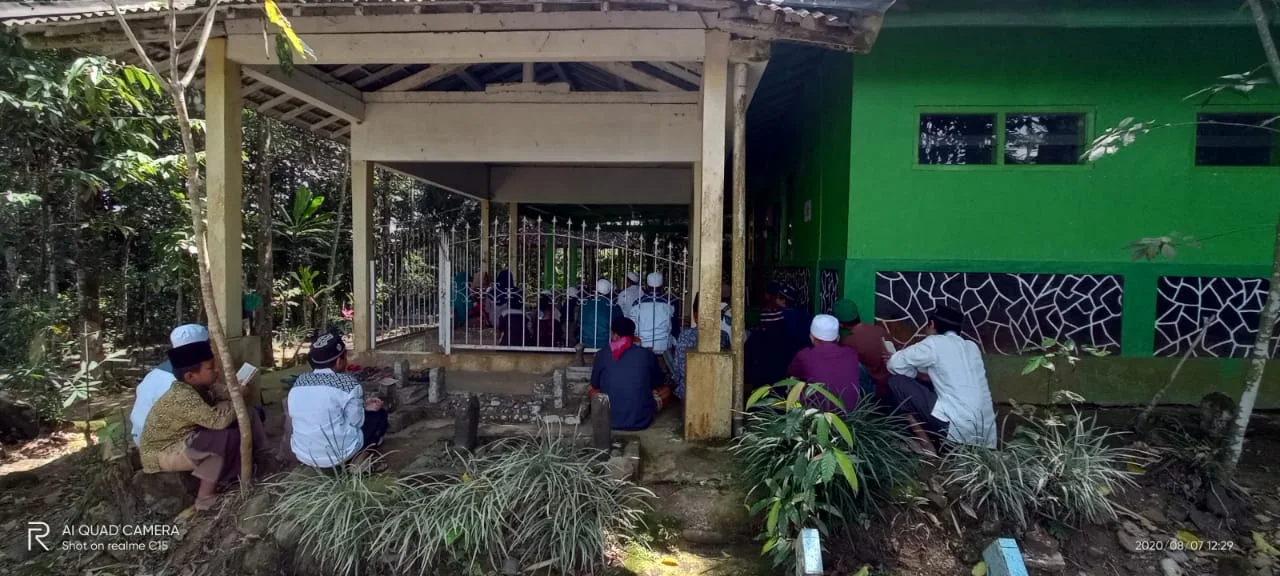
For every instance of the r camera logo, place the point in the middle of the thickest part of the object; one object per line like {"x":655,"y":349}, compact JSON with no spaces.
{"x":36,"y":533}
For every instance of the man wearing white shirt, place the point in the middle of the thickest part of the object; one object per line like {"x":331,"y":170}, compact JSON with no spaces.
{"x":630,"y":295}
{"x":158,"y":380}
{"x":653,"y":315}
{"x":330,"y":419}
{"x":958,"y":406}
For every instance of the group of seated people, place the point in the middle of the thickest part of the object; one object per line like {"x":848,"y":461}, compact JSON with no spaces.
{"x":182,"y":421}
{"x":939,"y":384}
{"x":581,"y":317}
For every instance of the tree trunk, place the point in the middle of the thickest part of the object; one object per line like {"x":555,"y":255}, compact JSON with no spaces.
{"x":1257,"y":364}
{"x":11,"y":269}
{"x":50,"y":257}
{"x":88,"y":282}
{"x":218,"y":336}
{"x":1258,"y":358}
{"x":263,"y":327}
{"x":343,"y":193}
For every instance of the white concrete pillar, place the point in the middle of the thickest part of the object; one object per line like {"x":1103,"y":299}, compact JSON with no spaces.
{"x":715,"y":92}
{"x":224,"y":183}
{"x":362,"y":225}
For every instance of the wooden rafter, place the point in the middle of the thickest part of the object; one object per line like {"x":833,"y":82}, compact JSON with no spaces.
{"x":296,"y":112}
{"x":469,"y":80}
{"x":274,"y":102}
{"x":636,"y":76}
{"x":387,"y":70}
{"x":678,"y":71}
{"x":423,"y":77}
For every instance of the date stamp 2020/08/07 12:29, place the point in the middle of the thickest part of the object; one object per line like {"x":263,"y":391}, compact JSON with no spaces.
{"x":1186,"y":545}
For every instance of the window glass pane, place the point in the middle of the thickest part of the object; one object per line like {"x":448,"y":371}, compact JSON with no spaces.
{"x":1043,"y":138}
{"x":957,"y":138}
{"x":1233,"y":140}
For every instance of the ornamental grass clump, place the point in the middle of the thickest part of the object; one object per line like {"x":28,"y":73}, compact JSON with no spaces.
{"x":335,"y":516}
{"x":545,"y":501}
{"x":1062,"y":468}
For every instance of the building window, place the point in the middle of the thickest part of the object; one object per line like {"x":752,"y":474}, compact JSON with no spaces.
{"x":957,"y":139}
{"x":1236,"y":140}
{"x":1043,"y":138}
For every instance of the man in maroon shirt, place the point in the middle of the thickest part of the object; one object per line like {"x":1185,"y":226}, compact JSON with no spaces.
{"x":868,"y":340}
{"x":828,"y":363}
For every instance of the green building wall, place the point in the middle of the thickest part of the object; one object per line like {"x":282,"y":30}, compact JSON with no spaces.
{"x":852,"y":155}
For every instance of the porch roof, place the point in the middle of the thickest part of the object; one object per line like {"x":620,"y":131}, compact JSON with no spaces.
{"x":331,"y":94}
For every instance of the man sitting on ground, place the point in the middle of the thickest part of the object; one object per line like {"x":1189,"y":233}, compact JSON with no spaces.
{"x":186,"y":431}
{"x":158,"y":380}
{"x":630,"y":376}
{"x":957,"y":406}
{"x":869,"y":340}
{"x":677,"y":354}
{"x":828,"y":363}
{"x":331,"y":419}
{"x":653,"y":315}
{"x":598,"y":313}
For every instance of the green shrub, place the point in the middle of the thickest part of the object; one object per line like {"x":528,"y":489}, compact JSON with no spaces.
{"x":790,"y":456}
{"x":881,"y":453}
{"x":336,"y":516}
{"x":542,"y":500}
{"x":1063,"y":468}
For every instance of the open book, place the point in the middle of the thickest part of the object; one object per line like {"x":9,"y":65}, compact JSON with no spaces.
{"x":246,"y":372}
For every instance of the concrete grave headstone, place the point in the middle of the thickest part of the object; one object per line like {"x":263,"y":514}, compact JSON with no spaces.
{"x":601,"y":426}
{"x":466,"y":431}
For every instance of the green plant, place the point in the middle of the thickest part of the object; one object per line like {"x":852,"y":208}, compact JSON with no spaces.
{"x":336,"y":516}
{"x":543,"y":500}
{"x":790,"y":455}
{"x":82,"y":384}
{"x":1062,"y":467}
{"x":881,"y":454}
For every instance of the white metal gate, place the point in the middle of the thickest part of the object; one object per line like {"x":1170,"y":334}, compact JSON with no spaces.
{"x":530,"y":280}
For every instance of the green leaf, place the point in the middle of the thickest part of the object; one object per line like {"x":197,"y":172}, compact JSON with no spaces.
{"x":771,"y":522}
{"x":846,"y":467}
{"x":793,"y":397}
{"x":1032,"y":364}
{"x":831,"y":397}
{"x":824,"y":432}
{"x":979,"y":569}
{"x":841,"y":427}
{"x":760,"y":393}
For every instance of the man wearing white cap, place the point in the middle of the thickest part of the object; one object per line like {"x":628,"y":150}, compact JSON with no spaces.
{"x":157,"y":381}
{"x":828,"y":363}
{"x":597,"y":314}
{"x":653,"y":315}
{"x":630,"y":295}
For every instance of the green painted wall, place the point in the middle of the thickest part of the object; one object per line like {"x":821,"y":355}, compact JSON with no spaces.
{"x":1051,"y":214}
{"x":1075,"y":219}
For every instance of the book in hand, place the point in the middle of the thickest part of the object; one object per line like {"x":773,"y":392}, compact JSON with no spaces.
{"x":246,"y":372}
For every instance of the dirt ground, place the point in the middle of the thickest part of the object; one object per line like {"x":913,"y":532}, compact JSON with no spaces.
{"x":701,"y":525}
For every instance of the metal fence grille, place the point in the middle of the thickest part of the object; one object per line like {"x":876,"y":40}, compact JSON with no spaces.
{"x":525,"y":294}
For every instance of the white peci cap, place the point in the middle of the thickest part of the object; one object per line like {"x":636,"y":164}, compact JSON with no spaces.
{"x":604,"y":287}
{"x":825,"y":327}
{"x":188,"y":334}
{"x":654,"y":280}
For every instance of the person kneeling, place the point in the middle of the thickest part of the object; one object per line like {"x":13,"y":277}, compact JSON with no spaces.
{"x":630,"y":376}
{"x":186,"y":431}
{"x":331,"y":420}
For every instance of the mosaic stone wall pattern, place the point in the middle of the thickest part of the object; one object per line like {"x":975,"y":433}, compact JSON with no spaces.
{"x":830,"y":289}
{"x":1006,"y":313}
{"x":1184,"y":302}
{"x":798,"y":278}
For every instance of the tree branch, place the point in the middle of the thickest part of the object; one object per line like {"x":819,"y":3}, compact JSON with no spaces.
{"x":137,"y":46}
{"x":200,"y":46}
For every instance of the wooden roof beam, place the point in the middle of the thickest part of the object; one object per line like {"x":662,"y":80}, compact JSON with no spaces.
{"x":487,"y":47}
{"x":423,"y":77}
{"x":312,"y":90}
{"x":626,"y":71}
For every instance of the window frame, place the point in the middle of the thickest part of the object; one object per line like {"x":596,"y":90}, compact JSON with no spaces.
{"x":1273,"y":109}
{"x":1001,"y":113}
